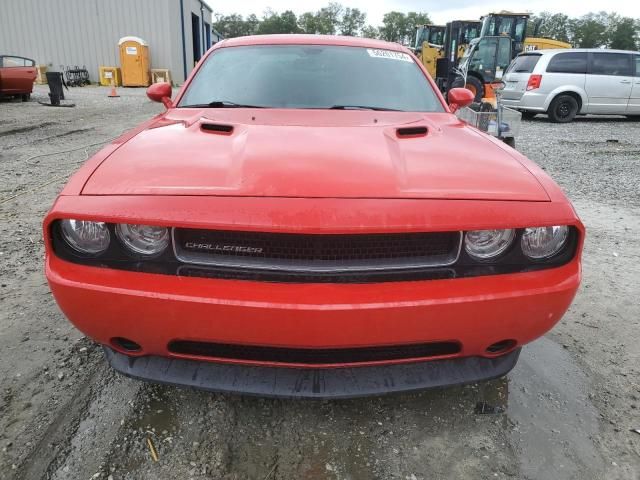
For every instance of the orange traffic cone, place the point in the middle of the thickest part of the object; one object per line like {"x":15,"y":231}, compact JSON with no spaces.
{"x":113,"y":93}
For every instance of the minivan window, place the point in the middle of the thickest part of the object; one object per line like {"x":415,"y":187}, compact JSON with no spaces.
{"x":524,"y":63}
{"x":637,"y":65}
{"x":570,"y":62}
{"x":611,"y":64}
{"x":312,"y":76}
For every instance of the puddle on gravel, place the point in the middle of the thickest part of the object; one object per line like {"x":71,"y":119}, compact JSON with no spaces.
{"x":154,"y":418}
{"x":554,"y":421}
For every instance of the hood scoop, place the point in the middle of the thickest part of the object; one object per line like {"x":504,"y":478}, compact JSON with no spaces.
{"x":411,"y":132}
{"x":219,"y":128}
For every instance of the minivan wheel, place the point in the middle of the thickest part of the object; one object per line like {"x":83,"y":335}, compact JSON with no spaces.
{"x":563,"y":109}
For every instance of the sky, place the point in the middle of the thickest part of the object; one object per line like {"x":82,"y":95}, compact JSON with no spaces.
{"x":440,"y":11}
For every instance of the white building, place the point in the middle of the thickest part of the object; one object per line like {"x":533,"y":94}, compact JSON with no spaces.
{"x":86,"y":32}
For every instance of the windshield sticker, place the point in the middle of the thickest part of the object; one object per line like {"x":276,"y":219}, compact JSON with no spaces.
{"x":374,"y":52}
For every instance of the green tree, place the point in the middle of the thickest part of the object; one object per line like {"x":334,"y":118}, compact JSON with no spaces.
{"x":414,"y":19}
{"x":401,"y":28}
{"x":590,"y":30}
{"x":308,"y":22}
{"x":625,"y":34}
{"x":352,"y":21}
{"x":555,"y":26}
{"x":232,"y":25}
{"x":370,"y":32}
{"x":272,"y":22}
{"x":328,"y":19}
{"x":394,"y":27}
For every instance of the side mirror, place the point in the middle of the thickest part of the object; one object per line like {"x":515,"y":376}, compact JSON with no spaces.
{"x":460,"y":97}
{"x":160,"y":92}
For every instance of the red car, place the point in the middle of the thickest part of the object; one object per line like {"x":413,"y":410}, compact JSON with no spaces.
{"x":17,"y":75}
{"x":308,"y":218}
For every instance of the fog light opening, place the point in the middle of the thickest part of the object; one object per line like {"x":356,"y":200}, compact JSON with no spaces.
{"x":126,"y":345}
{"x":501,"y":347}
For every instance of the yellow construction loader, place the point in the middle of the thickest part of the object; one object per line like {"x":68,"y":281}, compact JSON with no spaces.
{"x":431,"y":38}
{"x":503,"y":36}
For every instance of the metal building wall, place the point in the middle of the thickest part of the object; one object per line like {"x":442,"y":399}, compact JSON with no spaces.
{"x":86,"y":32}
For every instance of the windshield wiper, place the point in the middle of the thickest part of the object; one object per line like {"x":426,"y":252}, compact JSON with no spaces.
{"x":220,"y":104}
{"x":362,"y":107}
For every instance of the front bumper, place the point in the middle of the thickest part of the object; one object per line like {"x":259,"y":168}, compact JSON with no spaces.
{"x":312,"y":383}
{"x":156,"y":309}
{"x":153,"y":310}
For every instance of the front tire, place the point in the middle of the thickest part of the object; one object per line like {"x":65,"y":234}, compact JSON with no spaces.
{"x":563,"y":109}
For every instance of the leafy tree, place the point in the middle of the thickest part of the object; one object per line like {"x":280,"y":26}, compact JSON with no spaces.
{"x":352,"y":21}
{"x":251,"y":24}
{"x":394,"y":27}
{"x":370,"y":32}
{"x":590,"y":30}
{"x":328,"y":19}
{"x":555,"y":26}
{"x":232,"y":25}
{"x":414,"y":19}
{"x":625,"y":34}
{"x":285,"y":22}
{"x":308,"y":22}
{"x":401,"y":28}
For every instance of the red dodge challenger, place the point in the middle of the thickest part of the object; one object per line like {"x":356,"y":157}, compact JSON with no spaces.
{"x":308,"y":218}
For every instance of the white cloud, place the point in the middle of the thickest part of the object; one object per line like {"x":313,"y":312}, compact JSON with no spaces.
{"x":439,"y":11}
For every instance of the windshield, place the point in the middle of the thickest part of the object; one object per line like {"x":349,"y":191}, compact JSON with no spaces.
{"x":311,"y":76}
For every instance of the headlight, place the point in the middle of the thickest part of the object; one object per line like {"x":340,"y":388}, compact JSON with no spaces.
{"x":544,"y":242}
{"x":86,"y":237}
{"x":143,"y":239}
{"x":486,"y":244}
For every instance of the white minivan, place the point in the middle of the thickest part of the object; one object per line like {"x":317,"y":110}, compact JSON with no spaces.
{"x":565,"y":83}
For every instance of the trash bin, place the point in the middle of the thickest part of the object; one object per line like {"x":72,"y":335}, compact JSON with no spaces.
{"x":55,"y":82}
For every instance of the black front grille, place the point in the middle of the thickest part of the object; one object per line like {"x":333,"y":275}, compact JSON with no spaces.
{"x":313,"y":356}
{"x":316,"y":253}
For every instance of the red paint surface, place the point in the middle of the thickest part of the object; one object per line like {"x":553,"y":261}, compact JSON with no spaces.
{"x":311,"y":172}
{"x":17,"y":80}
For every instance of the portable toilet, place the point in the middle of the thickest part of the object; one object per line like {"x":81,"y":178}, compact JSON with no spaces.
{"x":134,"y":62}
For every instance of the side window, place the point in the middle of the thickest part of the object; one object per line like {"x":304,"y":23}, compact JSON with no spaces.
{"x":570,"y":62}
{"x":637,"y":65}
{"x":611,"y":64}
{"x":14,"y":62}
{"x":505,"y":27}
{"x":520,"y":26}
{"x":504,"y":53}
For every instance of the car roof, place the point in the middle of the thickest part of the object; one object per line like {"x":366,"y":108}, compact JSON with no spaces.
{"x":553,"y":51}
{"x":301,"y":39}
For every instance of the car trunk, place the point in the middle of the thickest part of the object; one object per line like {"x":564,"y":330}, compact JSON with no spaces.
{"x":518,"y":74}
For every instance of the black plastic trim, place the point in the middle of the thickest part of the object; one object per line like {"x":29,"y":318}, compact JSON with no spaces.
{"x":313,"y":356}
{"x":312,"y":383}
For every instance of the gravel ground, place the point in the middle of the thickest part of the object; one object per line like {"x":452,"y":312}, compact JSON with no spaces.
{"x":566,"y":411}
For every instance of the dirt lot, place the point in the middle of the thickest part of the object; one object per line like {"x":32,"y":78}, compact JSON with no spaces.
{"x":566,"y":411}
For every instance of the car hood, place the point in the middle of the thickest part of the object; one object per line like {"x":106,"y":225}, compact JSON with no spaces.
{"x":315,"y":154}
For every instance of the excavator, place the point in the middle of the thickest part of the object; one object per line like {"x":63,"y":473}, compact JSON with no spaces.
{"x":430,"y":40}
{"x":481,"y":67}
